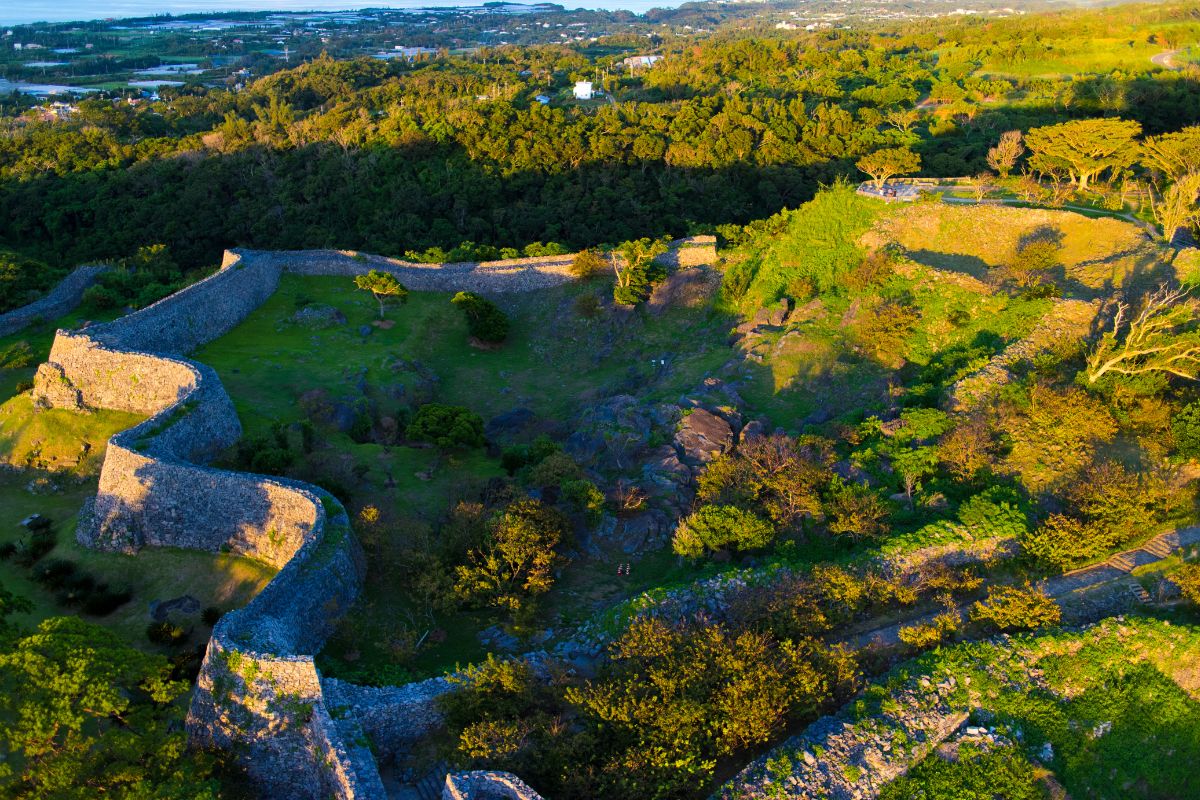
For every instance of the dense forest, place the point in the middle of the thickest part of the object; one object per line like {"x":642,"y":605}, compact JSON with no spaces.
{"x":393,"y":157}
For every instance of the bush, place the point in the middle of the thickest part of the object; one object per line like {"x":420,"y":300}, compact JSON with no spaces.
{"x":995,"y":512}
{"x":1185,"y":428}
{"x":717,"y":527}
{"x":932,"y":633}
{"x":1188,"y":578}
{"x":103,"y":601}
{"x":1062,"y":543}
{"x":485,"y":321}
{"x":76,"y":589}
{"x":447,"y":426}
{"x":588,"y":264}
{"x":587,"y":306}
{"x":166,"y":633}
{"x":554,"y":470}
{"x":1010,"y":608}
{"x":53,"y":572}
{"x":17,"y":355}
{"x":27,"y":552}
{"x":210,"y":615}
{"x":585,"y":498}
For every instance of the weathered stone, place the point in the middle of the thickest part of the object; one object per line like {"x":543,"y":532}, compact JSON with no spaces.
{"x":702,"y":436}
{"x":318,"y":317}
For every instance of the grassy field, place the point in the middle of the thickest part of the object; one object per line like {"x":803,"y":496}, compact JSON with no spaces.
{"x":1095,"y":253}
{"x":1112,"y":712}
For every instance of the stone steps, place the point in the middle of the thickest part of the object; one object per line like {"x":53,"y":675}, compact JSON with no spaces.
{"x":430,"y":787}
{"x":1139,"y":592}
{"x":1122,"y":562}
{"x":1158,"y":547}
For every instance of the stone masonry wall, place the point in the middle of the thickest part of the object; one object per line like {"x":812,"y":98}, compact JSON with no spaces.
{"x":258,"y":693}
{"x":60,"y":300}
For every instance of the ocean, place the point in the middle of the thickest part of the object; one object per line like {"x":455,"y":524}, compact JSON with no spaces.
{"x":19,"y":12}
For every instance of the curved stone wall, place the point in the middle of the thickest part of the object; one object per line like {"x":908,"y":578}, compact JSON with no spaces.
{"x":60,"y":300}
{"x":259,"y":693}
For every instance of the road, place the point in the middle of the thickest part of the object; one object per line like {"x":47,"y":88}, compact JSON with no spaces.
{"x":1163,"y":59}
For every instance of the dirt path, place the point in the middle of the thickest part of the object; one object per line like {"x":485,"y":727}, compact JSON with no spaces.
{"x":1112,"y":572}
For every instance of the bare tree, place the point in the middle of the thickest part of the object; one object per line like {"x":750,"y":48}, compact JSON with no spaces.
{"x":1161,"y":337}
{"x":903,"y":119}
{"x":1003,"y":157}
{"x":981,"y":184}
{"x":1176,"y":207}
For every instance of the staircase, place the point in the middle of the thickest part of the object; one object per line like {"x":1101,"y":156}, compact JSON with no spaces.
{"x":1139,"y":592}
{"x":430,"y":787}
{"x":1121,"y":562}
{"x":1159,"y":547}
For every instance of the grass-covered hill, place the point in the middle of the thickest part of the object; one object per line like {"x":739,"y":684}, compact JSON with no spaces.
{"x":752,"y":443}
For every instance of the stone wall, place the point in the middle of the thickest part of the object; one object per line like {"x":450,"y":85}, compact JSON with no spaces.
{"x":259,"y":693}
{"x":480,"y":785}
{"x":60,"y":300}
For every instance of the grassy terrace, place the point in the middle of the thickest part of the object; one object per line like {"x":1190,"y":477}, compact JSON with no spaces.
{"x":49,"y":472}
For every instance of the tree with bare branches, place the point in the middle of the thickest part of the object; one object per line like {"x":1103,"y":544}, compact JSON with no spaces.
{"x":1003,"y":157}
{"x":1177,"y":207}
{"x":1161,"y":337}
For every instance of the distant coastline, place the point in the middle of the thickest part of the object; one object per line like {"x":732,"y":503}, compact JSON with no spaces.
{"x":25,"y":12}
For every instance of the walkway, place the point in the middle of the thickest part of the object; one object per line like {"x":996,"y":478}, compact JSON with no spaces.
{"x":1114,"y":571}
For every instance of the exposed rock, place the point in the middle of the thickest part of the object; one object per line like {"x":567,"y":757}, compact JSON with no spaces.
{"x":184,"y":604}
{"x":318,"y":317}
{"x":610,"y":434}
{"x":754,"y":429}
{"x":53,"y":389}
{"x":510,"y":426}
{"x":702,"y":436}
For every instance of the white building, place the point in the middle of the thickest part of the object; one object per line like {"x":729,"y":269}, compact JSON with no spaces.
{"x":583,"y":90}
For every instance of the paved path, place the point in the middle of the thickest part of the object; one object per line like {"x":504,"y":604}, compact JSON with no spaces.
{"x":1115,"y":570}
{"x":1163,"y":59}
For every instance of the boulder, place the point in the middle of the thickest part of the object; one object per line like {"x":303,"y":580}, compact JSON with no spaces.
{"x":53,"y":389}
{"x":510,"y":426}
{"x":702,"y":436}
{"x":160,"y":610}
{"x":610,"y":434}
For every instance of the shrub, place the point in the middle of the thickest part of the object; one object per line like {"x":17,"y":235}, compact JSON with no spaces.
{"x":16,"y":355}
{"x":588,"y":264}
{"x":166,"y":633}
{"x":1063,"y":542}
{"x":103,"y":601}
{"x":76,"y":589}
{"x":1010,"y":608}
{"x":485,"y":321}
{"x":53,"y":572}
{"x":717,"y":527}
{"x":210,"y":615}
{"x":932,"y":633}
{"x":1185,"y":428}
{"x":995,"y":512}
{"x":1188,"y":578}
{"x":517,"y":560}
{"x":446,"y":426}
{"x":855,"y":511}
{"x":554,"y":469}
{"x":587,"y":306}
{"x":584,"y":497}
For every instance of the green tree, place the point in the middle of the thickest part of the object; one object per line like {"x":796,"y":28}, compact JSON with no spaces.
{"x":447,"y":426}
{"x":888,"y":162}
{"x":718,"y":527}
{"x":1011,"y":608}
{"x":1162,"y":337}
{"x":485,"y":321}
{"x":1084,"y":148}
{"x":640,"y":271}
{"x":382,"y":285}
{"x":84,"y":715}
{"x":517,"y":560}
